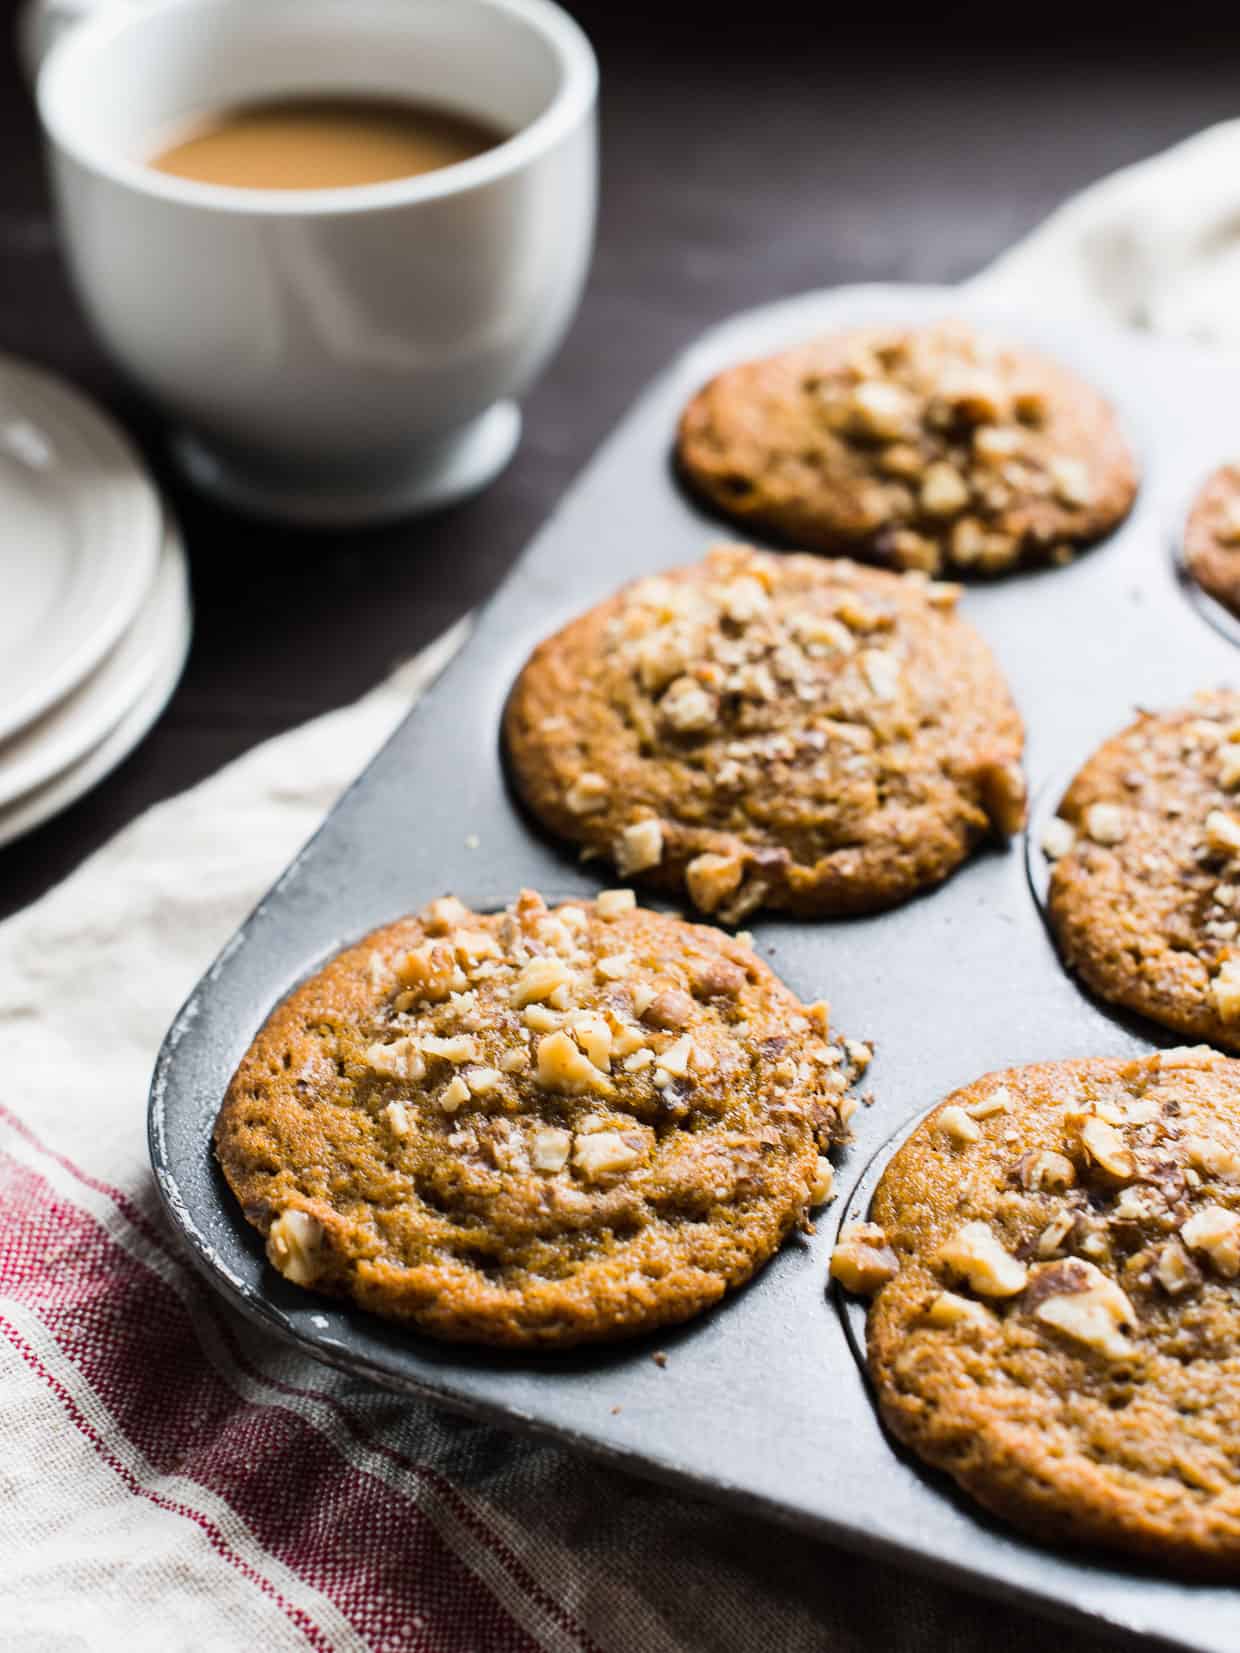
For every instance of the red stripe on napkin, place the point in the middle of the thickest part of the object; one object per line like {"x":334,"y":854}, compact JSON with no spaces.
{"x":359,"y":1542}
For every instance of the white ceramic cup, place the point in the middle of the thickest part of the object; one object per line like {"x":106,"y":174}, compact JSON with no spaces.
{"x":331,"y":355}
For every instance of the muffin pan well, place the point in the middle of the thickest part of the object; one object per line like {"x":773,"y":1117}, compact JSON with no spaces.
{"x":949,"y":986}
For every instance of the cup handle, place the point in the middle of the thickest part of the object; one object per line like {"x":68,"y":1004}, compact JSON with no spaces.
{"x":40,"y":24}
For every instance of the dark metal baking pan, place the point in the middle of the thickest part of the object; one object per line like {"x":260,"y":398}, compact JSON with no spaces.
{"x":761,"y":1403}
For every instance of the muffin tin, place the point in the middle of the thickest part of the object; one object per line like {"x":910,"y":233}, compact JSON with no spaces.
{"x":760,"y":1404}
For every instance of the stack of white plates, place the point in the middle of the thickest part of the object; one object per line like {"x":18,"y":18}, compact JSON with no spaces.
{"x":94,"y":598}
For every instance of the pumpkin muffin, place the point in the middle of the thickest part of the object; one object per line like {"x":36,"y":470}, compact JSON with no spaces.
{"x":764,"y":730}
{"x":536,"y":1127}
{"x":1054,"y":1259}
{"x":936,"y":447}
{"x":1144,"y":895}
{"x":1212,"y":538}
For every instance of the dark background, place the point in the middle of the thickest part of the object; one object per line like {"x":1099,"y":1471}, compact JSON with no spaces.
{"x":747,"y":154}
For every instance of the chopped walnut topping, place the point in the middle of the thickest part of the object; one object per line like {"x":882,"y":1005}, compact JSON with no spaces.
{"x":823,"y":1185}
{"x":615,"y":966}
{"x":428,"y":974}
{"x":819,"y":1014}
{"x":443,"y":915}
{"x":594,"y":1036}
{"x":515,"y":1060}
{"x":949,"y":1309}
{"x":295,"y":1246}
{"x":460,"y":1048}
{"x":955,"y":1123}
{"x":1215,"y":1231}
{"x":562,"y":1067}
{"x":1071,"y":481}
{"x":538,"y":980}
{"x":974,"y":1253}
{"x":711,"y":879}
{"x":1004,"y":796}
{"x":482,"y":1081}
{"x":687,"y":707}
{"x":1176,"y":1272}
{"x":882,"y":671}
{"x":944,"y":492}
{"x":859,"y":1055}
{"x":1046,"y":1170}
{"x":611,"y":904}
{"x":1214,"y":1159}
{"x":397,"y":1118}
{"x":677,"y":1057}
{"x":472,"y":946}
{"x":744,"y":599}
{"x":1058,"y":838}
{"x":1187,"y":1057}
{"x":587,"y":795}
{"x":1055,"y":1233}
{"x":550,"y":1148}
{"x":996,"y":444}
{"x":604,"y":1152}
{"x":1106,"y":823}
{"x":453,"y":1094}
{"x":639,"y":847}
{"x":402,"y":1059}
{"x":1107,"y":1149}
{"x":862,"y":1260}
{"x":672,"y":1009}
{"x":882,"y":410}
{"x":1229,"y":768}
{"x":1083,"y":1303}
{"x":1222,"y":833}
{"x":996,"y":1101}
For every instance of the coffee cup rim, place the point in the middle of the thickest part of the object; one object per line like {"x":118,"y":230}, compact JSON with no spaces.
{"x":572,"y":101}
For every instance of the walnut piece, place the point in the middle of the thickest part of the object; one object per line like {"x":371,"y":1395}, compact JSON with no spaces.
{"x":538,"y":980}
{"x":1058,"y":838}
{"x":1213,"y":1159}
{"x":1106,"y":823}
{"x":995,"y":1101}
{"x":974,"y":1253}
{"x":1222,"y":832}
{"x":402,"y":1059}
{"x":1046,"y":1170}
{"x":603,"y":1152}
{"x":950,"y":1309}
{"x":862,"y":1260}
{"x":823,"y":1185}
{"x":550,"y":1148}
{"x":1176,"y":1272}
{"x":397,"y":1117}
{"x":639,"y":847}
{"x":609,"y":904}
{"x":711,"y":879}
{"x":955,"y":1124}
{"x":587,"y":795}
{"x":1083,"y":1303}
{"x":295,"y":1246}
{"x":1215,"y":1232}
{"x":562,"y":1067}
{"x":1107,"y":1149}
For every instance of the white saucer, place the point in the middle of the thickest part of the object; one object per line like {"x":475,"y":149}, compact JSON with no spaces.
{"x":80,"y":721}
{"x":170,"y":654}
{"x":80,"y":526}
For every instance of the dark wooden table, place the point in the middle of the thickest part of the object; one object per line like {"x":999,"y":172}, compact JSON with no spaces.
{"x":742,"y":160}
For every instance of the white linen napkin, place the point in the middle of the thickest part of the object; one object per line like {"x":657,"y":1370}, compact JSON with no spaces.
{"x":169,"y":1478}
